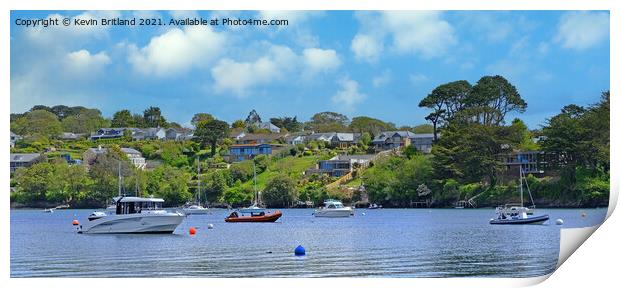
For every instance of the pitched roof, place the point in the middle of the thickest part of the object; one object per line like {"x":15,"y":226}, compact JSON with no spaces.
{"x":24,"y":157}
{"x":269,"y":137}
{"x":388,"y":134}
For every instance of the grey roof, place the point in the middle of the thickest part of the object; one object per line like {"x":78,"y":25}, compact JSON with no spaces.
{"x":345,"y":136}
{"x":24,"y":157}
{"x":387,"y":134}
{"x":323,"y":136}
{"x":268,"y":137}
{"x":356,"y":157}
{"x":424,"y":135}
{"x":268,"y":125}
{"x":130,"y":151}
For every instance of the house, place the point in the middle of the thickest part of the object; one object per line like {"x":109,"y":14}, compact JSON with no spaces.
{"x":423,"y":142}
{"x":69,"y":136}
{"x":392,"y":140}
{"x":154,"y":133}
{"x":236,"y":134}
{"x":344,"y":140}
{"x":134,"y":156}
{"x":268,"y":126}
{"x":112,"y":133}
{"x":21,"y":160}
{"x":14,"y":139}
{"x":326,"y":137}
{"x":295,"y":139}
{"x":240,"y":152}
{"x":532,"y":162}
{"x":341,"y":165}
{"x":261,"y":138}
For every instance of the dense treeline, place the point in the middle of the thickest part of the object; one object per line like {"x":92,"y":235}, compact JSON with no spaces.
{"x":469,"y":123}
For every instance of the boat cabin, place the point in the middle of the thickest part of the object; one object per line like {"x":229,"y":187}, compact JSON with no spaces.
{"x":333,"y":204}
{"x":133,"y":205}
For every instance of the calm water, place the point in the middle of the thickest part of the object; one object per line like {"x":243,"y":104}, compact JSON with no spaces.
{"x":381,"y":243}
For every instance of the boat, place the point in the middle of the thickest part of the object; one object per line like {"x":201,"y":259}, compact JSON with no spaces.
{"x":254,"y":213}
{"x":254,"y":216}
{"x":49,"y":210}
{"x":515,"y":214}
{"x":195,"y":208}
{"x":333,"y":208}
{"x":133,"y":215}
{"x":374,"y":206}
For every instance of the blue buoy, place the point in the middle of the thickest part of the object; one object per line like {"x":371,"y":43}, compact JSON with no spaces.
{"x":300,"y":251}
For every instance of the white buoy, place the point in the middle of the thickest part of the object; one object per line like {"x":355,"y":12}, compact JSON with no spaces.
{"x":364,"y":213}
{"x":210,"y":226}
{"x":559,"y":221}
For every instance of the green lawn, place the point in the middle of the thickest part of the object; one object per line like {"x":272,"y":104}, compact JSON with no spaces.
{"x":291,"y":165}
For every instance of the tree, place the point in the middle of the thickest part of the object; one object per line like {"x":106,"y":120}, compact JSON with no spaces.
{"x":153,"y":118}
{"x":365,"y":139}
{"x":253,"y":118}
{"x":280,"y":191}
{"x":328,"y":122}
{"x":171,"y":184}
{"x":497,"y":95}
{"x":123,"y":118}
{"x":34,"y":182}
{"x":238,"y":124}
{"x":37,"y":124}
{"x":422,"y":129}
{"x":85,"y":121}
{"x":289,"y":123}
{"x":209,"y":132}
{"x":445,"y":100}
{"x":371,"y":125}
{"x":201,"y":117}
{"x":215,"y":184}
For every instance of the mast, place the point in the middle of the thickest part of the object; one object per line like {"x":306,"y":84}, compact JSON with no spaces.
{"x":255,"y":192}
{"x":521,"y":183}
{"x":199,"y":181}
{"x":119,"y":178}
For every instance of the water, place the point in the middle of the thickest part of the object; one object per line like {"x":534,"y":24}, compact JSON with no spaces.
{"x":381,"y":243}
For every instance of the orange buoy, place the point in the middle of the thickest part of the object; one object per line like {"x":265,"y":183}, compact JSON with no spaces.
{"x":75,"y":222}
{"x":192,"y":231}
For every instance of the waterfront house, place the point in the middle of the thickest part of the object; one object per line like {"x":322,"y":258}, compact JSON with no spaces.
{"x":134,"y":156}
{"x":423,"y":142}
{"x":21,"y":160}
{"x":240,"y":152}
{"x":392,"y":140}
{"x":344,"y":140}
{"x":236,"y":134}
{"x":341,"y":165}
{"x":14,"y":139}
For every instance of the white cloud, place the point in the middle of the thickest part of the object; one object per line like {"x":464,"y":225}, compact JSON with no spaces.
{"x":582,"y":30}
{"x":348,"y":95}
{"x":239,"y":77}
{"x":422,"y":33}
{"x":318,"y":60}
{"x":366,"y":47}
{"x":383,"y":79}
{"x":177,"y":51}
{"x":82,"y":62}
{"x":417,"y":78}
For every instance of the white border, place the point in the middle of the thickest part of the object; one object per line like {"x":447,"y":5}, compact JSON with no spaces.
{"x":593,"y":263}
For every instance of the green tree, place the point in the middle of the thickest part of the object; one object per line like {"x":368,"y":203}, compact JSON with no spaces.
{"x":216,"y":183}
{"x":201,"y":117}
{"x":371,"y":125}
{"x":172,"y":154}
{"x":422,"y":129}
{"x":171,"y":184}
{"x":153,"y":118}
{"x":84,"y":121}
{"x":289,"y":123}
{"x":123,"y":118}
{"x":445,"y":101}
{"x":328,"y":122}
{"x":34,"y":182}
{"x":498,"y":96}
{"x":210,"y":132}
{"x":238,"y":124}
{"x":279,"y":191}
{"x":37,"y":124}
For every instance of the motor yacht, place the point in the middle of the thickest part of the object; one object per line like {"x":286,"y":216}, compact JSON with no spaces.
{"x":133,"y":215}
{"x":333,"y":208}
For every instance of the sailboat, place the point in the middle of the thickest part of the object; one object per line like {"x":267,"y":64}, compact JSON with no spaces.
{"x":254,"y":213}
{"x":519,"y":214}
{"x":195,"y":208}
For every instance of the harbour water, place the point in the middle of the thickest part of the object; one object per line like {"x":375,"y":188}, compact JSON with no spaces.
{"x":381,"y":243}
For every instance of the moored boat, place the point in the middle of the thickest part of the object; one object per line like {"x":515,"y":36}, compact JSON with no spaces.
{"x":519,"y":214}
{"x":237,"y":216}
{"x":333,"y":208}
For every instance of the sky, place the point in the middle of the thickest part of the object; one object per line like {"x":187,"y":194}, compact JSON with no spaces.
{"x":359,"y":63}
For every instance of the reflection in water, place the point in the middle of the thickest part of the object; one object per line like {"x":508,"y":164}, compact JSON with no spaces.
{"x":382,"y":243}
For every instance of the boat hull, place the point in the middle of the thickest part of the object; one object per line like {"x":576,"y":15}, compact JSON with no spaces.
{"x":272,"y":217}
{"x":333,"y":213}
{"x":133,"y":223}
{"x":530,"y":220}
{"x":195,"y":211}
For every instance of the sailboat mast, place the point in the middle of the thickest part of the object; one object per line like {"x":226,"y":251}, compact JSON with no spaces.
{"x":119,"y":178}
{"x":198,"y":180}
{"x":521,"y":183}
{"x":255,"y":192}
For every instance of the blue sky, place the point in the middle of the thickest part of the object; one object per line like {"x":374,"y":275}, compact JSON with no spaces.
{"x":378,"y":64}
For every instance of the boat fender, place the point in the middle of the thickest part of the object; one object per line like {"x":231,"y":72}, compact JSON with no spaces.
{"x":192,"y":231}
{"x":559,"y":221}
{"x":210,"y":226}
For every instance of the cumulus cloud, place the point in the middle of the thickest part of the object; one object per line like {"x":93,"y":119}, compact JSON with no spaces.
{"x":82,"y":62}
{"x":318,"y":60}
{"x":383,"y":79}
{"x":422,"y":33}
{"x":582,"y":30}
{"x":177,"y":51}
{"x":417,"y":78}
{"x":239,"y":77}
{"x":348,"y":95}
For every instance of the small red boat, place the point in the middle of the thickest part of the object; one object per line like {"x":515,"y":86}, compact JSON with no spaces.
{"x":254,"y":217}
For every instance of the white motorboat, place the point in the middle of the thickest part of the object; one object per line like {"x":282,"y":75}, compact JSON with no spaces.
{"x":515,"y":214}
{"x":333,"y":208}
{"x":133,"y":215}
{"x":49,"y":210}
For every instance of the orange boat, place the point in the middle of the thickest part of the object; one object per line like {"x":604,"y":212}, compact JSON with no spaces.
{"x":254,"y":217}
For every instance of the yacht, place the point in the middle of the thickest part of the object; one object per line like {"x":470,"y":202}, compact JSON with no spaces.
{"x":254,"y":213}
{"x":333,"y":208}
{"x":195,"y":208}
{"x":517,"y":213}
{"x":133,"y":215}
